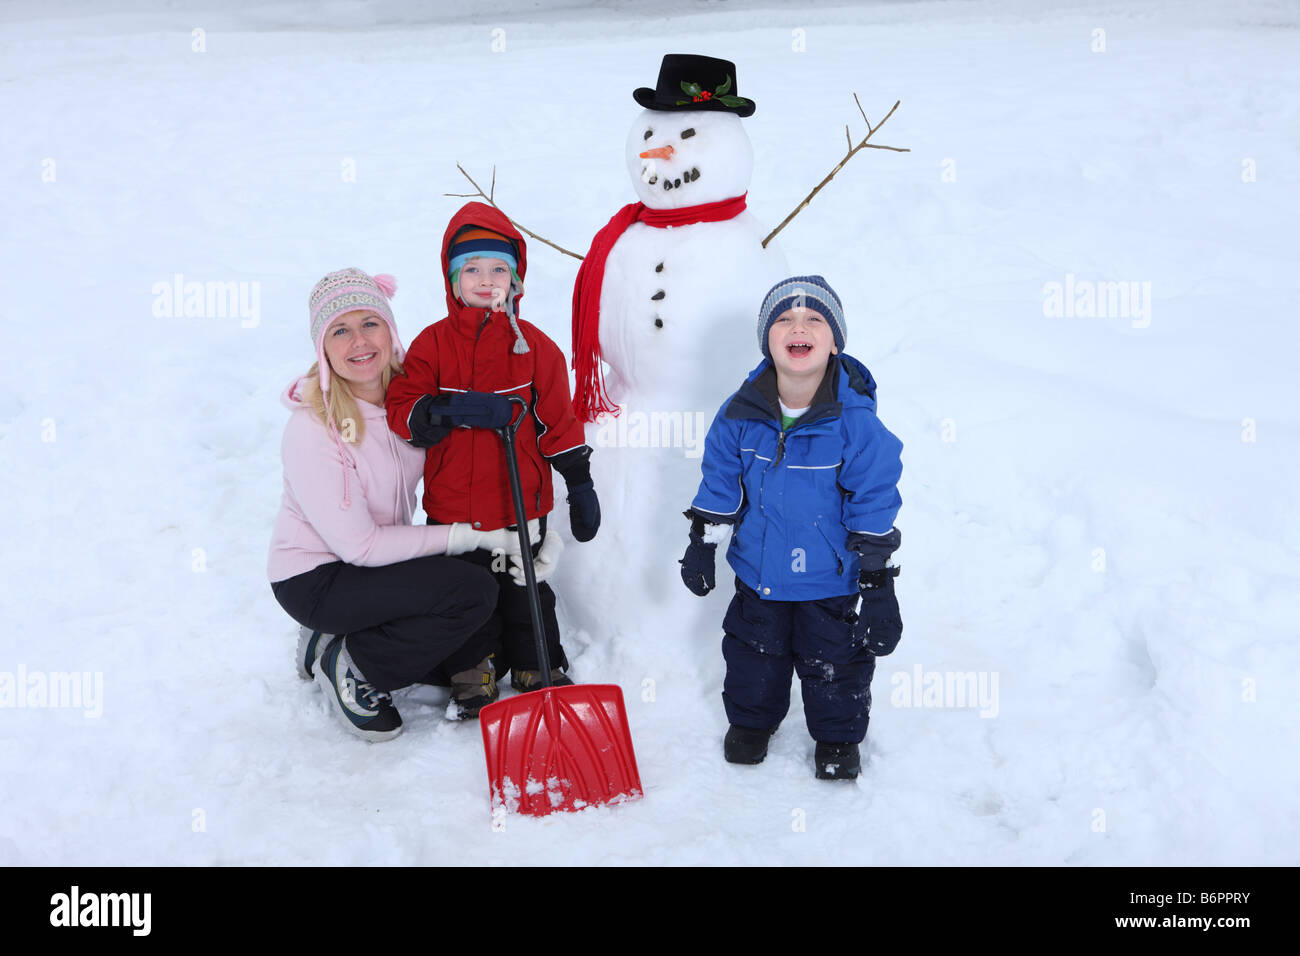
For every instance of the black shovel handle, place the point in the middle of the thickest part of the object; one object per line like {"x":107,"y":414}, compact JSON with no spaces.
{"x":526,"y":547}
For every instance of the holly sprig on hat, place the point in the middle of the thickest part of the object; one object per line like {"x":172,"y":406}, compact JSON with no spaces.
{"x":698,"y":94}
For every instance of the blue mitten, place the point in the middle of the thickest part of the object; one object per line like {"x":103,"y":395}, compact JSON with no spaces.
{"x":472,"y":409}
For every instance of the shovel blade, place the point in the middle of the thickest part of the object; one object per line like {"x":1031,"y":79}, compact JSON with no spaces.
{"x":559,"y":749}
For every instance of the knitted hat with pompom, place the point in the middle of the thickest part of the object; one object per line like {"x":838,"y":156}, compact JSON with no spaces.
{"x":349,"y":290}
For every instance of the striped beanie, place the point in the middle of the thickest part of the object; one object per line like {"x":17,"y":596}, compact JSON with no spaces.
{"x":349,"y":290}
{"x":808,"y":292}
{"x":476,"y":241}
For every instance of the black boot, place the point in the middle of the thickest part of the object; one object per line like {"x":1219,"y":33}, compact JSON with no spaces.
{"x":746,"y":745}
{"x":837,"y":761}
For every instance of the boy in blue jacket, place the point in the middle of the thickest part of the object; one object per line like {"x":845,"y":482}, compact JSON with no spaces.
{"x":805,"y":477}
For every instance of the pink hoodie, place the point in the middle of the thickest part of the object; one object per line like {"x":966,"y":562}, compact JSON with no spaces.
{"x":346,"y":502}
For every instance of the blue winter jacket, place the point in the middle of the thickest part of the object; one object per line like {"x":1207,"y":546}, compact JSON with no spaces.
{"x":796,"y":496}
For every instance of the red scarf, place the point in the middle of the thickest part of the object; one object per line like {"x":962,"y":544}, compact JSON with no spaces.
{"x":590,"y":400}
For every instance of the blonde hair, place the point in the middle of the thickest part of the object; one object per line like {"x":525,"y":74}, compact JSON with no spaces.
{"x":342,"y":412}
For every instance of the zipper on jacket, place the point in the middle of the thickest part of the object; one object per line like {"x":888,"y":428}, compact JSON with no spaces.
{"x":539,"y":469}
{"x":762,"y":510}
{"x":399,"y":497}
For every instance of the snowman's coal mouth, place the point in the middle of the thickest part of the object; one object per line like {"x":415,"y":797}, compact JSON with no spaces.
{"x":687,"y":177}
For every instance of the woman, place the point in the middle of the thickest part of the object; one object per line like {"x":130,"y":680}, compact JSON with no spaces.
{"x":345,"y":559}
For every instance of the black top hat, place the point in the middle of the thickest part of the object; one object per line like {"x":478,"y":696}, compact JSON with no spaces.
{"x":690,"y":82}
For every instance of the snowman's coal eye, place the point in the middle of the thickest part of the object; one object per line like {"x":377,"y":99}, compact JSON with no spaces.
{"x":688,"y":133}
{"x":648,"y":134}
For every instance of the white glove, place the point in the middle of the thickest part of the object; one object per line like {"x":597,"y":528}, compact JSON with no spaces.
{"x":545,"y":562}
{"x":462,"y":538}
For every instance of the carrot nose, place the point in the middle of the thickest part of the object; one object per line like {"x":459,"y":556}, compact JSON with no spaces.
{"x":659,"y":152}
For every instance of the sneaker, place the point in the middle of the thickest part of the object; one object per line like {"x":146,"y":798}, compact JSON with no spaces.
{"x":745,"y":744}
{"x":366,"y":711}
{"x":837,"y":761}
{"x":474,"y":689}
{"x":310,"y":644}
{"x":532,"y":680}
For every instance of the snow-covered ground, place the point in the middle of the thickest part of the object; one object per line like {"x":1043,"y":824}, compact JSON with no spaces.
{"x":1100,"y":511}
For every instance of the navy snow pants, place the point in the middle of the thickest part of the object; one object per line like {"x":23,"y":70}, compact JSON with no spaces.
{"x":766,"y":642}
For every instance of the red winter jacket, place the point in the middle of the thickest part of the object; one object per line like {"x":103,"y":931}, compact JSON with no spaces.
{"x":471,"y":350}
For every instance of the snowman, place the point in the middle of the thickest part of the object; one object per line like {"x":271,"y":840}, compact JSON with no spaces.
{"x":668,"y":297}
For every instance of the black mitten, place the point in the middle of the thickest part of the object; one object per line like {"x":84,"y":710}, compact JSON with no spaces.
{"x":584,"y":506}
{"x":698,"y":561}
{"x":584,"y":511}
{"x":879,"y":624}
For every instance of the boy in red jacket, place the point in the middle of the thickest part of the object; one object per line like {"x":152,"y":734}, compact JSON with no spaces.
{"x":451,"y":397}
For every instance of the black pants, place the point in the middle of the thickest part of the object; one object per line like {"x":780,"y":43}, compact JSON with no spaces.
{"x":509,"y":630}
{"x":414,"y":621}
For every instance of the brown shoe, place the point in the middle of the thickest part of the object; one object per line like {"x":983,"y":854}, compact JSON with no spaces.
{"x":474,"y":689}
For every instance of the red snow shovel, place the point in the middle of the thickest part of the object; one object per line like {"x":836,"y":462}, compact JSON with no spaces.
{"x":556,"y":748}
